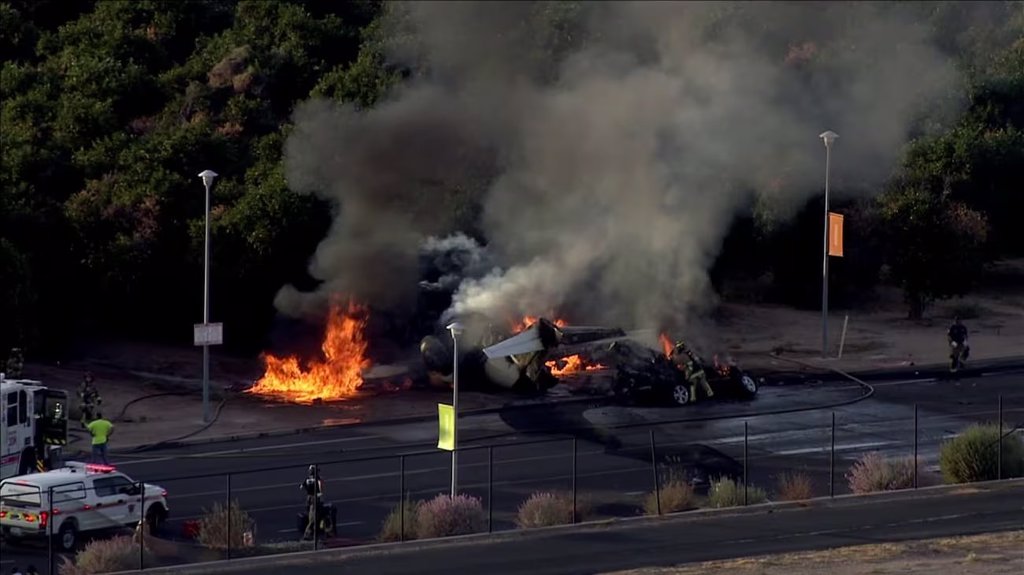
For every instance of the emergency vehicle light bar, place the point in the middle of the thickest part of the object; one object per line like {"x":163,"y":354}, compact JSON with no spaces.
{"x":97,"y":468}
{"x":90,"y":467}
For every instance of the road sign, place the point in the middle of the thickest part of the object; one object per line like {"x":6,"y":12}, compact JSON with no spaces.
{"x":445,"y":427}
{"x":835,"y":234}
{"x":208,"y":334}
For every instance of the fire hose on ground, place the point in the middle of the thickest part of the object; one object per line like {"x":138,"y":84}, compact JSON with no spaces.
{"x":120,"y":418}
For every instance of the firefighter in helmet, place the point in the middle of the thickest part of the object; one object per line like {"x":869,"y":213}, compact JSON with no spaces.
{"x":88,"y":397}
{"x":314,"y":488}
{"x":957,"y":338}
{"x":15,"y":363}
{"x":693,"y":367}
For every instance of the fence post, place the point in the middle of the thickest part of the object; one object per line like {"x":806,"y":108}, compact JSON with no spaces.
{"x":49,"y":550}
{"x":573,"y":479}
{"x":142,"y":525}
{"x":832,"y":461}
{"x":401,"y":498}
{"x":999,"y":452}
{"x":915,"y":445}
{"x":227,"y":491}
{"x":654,"y":469}
{"x":745,"y":460}
{"x":490,"y":488}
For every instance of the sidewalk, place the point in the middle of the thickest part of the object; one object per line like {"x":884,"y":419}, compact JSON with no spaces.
{"x":149,"y":411}
{"x":879,"y":340}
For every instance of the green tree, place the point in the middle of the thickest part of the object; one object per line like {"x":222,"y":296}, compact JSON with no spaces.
{"x":934,"y":244}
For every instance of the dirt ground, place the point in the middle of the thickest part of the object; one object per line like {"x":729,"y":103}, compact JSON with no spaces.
{"x":155,"y":389}
{"x":995,"y":554}
{"x":877,"y":338}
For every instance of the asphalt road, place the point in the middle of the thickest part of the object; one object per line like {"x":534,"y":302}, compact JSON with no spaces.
{"x":363,"y":469}
{"x":680,"y":540}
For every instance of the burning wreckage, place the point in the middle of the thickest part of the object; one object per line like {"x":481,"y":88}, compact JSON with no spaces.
{"x":530,"y":356}
{"x":533,"y":359}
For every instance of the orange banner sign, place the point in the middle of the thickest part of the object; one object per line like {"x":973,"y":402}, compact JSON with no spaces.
{"x":835,"y":234}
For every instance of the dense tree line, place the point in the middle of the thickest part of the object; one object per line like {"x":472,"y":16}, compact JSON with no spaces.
{"x":111,"y":108}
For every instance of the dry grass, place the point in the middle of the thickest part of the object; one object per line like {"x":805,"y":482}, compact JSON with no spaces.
{"x":794,"y":487}
{"x":675,"y":494}
{"x":994,"y":554}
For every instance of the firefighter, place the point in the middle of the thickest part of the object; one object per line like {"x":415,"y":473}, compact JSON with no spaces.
{"x":957,"y":338}
{"x":15,"y":363}
{"x":89,"y":398}
{"x":314,"y":488}
{"x":694,"y":369}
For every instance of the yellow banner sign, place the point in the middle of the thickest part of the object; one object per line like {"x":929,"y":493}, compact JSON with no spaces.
{"x":445,"y":427}
{"x":835,"y":234}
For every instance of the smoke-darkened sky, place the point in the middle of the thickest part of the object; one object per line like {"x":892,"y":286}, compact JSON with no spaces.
{"x":610,"y":155}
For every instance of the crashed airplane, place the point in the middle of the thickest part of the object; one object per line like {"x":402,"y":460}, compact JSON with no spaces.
{"x":489,"y":355}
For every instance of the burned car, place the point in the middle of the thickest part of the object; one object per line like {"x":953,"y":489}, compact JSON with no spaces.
{"x":645,"y":374}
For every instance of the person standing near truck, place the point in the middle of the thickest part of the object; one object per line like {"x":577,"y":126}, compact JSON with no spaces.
{"x":100,"y":429}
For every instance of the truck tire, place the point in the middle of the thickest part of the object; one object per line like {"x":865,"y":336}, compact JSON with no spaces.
{"x":67,"y":537}
{"x":156,"y":519}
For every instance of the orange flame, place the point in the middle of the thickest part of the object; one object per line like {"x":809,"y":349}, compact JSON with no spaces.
{"x":528,"y":320}
{"x":573,"y":364}
{"x":666,"y":344}
{"x":337,"y":376}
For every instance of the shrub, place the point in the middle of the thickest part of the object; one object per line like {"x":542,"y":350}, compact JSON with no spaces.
{"x":391,"y":529}
{"x":106,"y":556}
{"x":794,"y":487}
{"x":873,"y":472}
{"x":213,"y":527}
{"x":973,"y":455}
{"x":676,"y":495}
{"x":725,"y":492}
{"x":544,"y":509}
{"x":443,"y":516}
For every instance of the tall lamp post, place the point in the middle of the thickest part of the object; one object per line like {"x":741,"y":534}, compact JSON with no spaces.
{"x":828,"y":138}
{"x":456,"y":328}
{"x":207,"y":176}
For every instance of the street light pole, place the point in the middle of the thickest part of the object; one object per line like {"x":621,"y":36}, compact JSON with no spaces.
{"x":207,"y":176}
{"x":828,"y":138}
{"x":456,"y":329}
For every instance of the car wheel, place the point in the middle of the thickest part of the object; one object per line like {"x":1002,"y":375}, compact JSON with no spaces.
{"x":67,"y":537}
{"x":680,"y":394}
{"x":155,"y":519}
{"x":749,"y":385}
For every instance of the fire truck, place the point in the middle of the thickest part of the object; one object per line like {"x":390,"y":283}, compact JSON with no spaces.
{"x":33,"y":427}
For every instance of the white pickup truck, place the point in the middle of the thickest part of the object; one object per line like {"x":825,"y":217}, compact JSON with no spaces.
{"x":78,"y":498}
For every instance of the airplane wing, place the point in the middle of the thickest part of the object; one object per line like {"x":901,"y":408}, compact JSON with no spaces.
{"x":544,"y":335}
{"x":540,"y":336}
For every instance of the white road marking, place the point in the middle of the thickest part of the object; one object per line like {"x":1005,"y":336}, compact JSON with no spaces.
{"x":904,"y":382}
{"x":845,"y":447}
{"x":249,"y":450}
